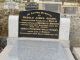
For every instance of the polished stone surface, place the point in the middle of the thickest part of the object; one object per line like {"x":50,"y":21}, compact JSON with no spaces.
{"x":18,"y":49}
{"x":38,"y":50}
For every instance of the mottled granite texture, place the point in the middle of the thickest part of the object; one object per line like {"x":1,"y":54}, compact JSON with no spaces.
{"x":75,"y":31}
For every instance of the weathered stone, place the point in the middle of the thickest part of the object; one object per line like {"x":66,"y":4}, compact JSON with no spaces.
{"x":75,"y":31}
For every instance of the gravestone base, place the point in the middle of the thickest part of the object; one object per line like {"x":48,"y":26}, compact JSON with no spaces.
{"x":26,"y":49}
{"x":41,"y":50}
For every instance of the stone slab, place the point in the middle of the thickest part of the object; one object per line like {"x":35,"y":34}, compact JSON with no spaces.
{"x":39,"y":50}
{"x":63,"y":32}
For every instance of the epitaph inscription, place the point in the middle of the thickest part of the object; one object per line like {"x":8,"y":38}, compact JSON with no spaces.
{"x":39,"y":23}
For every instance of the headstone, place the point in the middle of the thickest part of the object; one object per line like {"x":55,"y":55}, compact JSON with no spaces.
{"x":63,"y":29}
{"x":38,"y":47}
{"x":11,"y":5}
{"x":32,"y":6}
{"x":39,"y":23}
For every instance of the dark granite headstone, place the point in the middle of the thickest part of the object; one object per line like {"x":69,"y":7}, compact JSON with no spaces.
{"x":39,"y":23}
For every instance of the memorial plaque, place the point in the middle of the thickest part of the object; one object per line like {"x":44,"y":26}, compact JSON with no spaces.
{"x":39,"y":23}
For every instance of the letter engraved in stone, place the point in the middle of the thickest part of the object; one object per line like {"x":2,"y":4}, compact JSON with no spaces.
{"x":39,"y":23}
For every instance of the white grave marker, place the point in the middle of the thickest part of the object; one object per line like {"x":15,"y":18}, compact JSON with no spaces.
{"x":30,"y":48}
